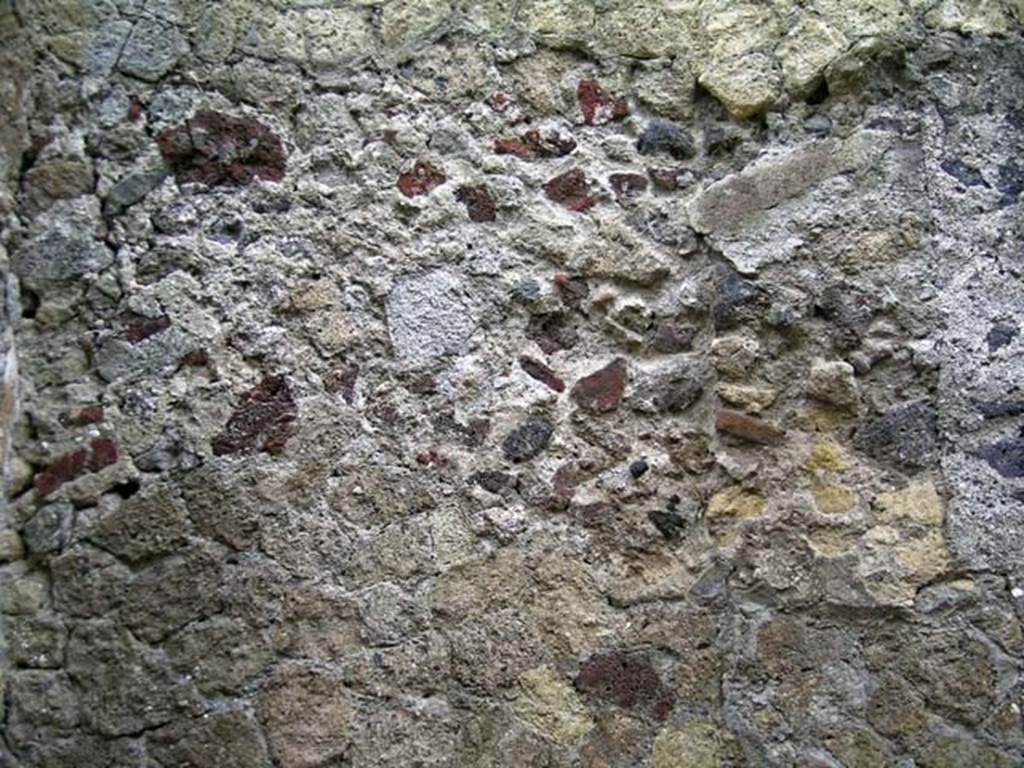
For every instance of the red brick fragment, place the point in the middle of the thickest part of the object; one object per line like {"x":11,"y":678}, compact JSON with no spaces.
{"x":535,"y":369}
{"x":597,"y":106}
{"x":478,"y":201}
{"x":143,"y":328}
{"x":423,"y":385}
{"x":216,"y":148}
{"x":263,"y":421}
{"x":421,"y":179}
{"x":627,"y":184}
{"x":601,"y":391}
{"x":531,"y":145}
{"x":747,"y":427}
{"x":628,"y":680}
{"x":342,"y":380}
{"x":90,"y":414}
{"x":101,"y":453}
{"x":571,"y":190}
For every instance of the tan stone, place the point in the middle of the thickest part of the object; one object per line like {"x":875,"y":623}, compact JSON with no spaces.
{"x":924,"y":558}
{"x":561,"y":21}
{"x":734,"y":356}
{"x":616,"y":253}
{"x":568,"y":608}
{"x":833,"y":542}
{"x":337,"y":34}
{"x":918,"y":502}
{"x":986,"y":17}
{"x":827,"y":455}
{"x":833,"y":499}
{"x":641,"y":28}
{"x":550,"y":705}
{"x":753,"y":399}
{"x":696,"y":744}
{"x":11,"y":546}
{"x":735,"y":503}
{"x":808,"y":48}
{"x":746,"y":85}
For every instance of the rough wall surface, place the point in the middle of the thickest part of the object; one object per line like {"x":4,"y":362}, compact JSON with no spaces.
{"x":535,"y":383}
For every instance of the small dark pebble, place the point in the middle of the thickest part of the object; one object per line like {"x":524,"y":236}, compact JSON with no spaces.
{"x":528,"y":439}
{"x":638,"y":468}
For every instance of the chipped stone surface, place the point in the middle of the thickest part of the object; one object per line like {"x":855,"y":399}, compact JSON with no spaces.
{"x":543,"y":383}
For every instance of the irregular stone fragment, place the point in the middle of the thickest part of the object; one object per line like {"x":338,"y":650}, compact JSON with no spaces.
{"x":696,"y":744}
{"x":537,"y":370}
{"x":216,"y":148}
{"x":805,"y":52}
{"x":827,"y":455}
{"x":551,"y":706}
{"x":746,"y":85}
{"x":101,"y":453}
{"x":429,"y":317}
{"x":528,"y":440}
{"x":918,"y":502}
{"x":152,"y":49}
{"x":263,"y":421}
{"x":670,"y":387}
{"x":833,"y":382}
{"x":735,"y":503}
{"x":737,"y":301}
{"x":307,"y":715}
{"x":625,"y":679}
{"x":1005,"y":456}
{"x":143,"y":328}
{"x":596,"y":106}
{"x":753,"y":399}
{"x":663,"y":136}
{"x":420,"y":179}
{"x":478,"y":201}
{"x":132,"y":189}
{"x":571,"y":190}
{"x":669,"y":524}
{"x":1001,"y":334}
{"x":619,"y":254}
{"x":227,"y":739}
{"x":602,"y":390}
{"x":905,"y":435}
{"x":532,"y":145}
{"x":832,"y":498}
{"x":747,"y":427}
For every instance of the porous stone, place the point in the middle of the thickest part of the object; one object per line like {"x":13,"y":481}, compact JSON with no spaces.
{"x":429,"y":317}
{"x":549,"y":704}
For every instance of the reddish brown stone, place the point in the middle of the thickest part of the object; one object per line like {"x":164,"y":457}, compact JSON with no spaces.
{"x":627,"y":184}
{"x":670,"y":337}
{"x":197,"y":358}
{"x":135,"y":109}
{"x":421,"y":179}
{"x":262,"y":422}
{"x":478,"y":201}
{"x":215,"y":148}
{"x":145,"y":327}
{"x":342,"y":380}
{"x":90,"y":414}
{"x":571,"y":189}
{"x":747,"y":427}
{"x":627,"y":680}
{"x":601,"y":391}
{"x":537,"y":370}
{"x":531,"y":145}
{"x":102,"y":452}
{"x":566,"y":479}
{"x":597,"y":106}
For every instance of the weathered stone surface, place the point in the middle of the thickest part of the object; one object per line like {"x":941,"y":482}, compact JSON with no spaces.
{"x":431,"y":414}
{"x":550,"y":705}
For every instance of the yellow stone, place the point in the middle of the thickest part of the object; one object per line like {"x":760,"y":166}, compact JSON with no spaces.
{"x":807,"y":49}
{"x":746,"y":85}
{"x":828,"y":455}
{"x":833,"y":499}
{"x":562,"y":20}
{"x":918,"y":502}
{"x":735,"y":502}
{"x":695,"y":744}
{"x":550,"y":705}
{"x":832,"y":542}
{"x":924,"y":558}
{"x":403,"y":20}
{"x":750,"y":398}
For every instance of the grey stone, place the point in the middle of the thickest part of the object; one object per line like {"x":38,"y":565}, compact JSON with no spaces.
{"x":152,"y":49}
{"x":430,"y":316}
{"x":905,"y":435}
{"x":528,"y":440}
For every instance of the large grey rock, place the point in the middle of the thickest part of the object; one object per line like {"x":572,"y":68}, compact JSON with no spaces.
{"x":430,"y":316}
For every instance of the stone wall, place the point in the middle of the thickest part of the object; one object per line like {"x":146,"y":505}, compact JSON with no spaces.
{"x":538,"y":383}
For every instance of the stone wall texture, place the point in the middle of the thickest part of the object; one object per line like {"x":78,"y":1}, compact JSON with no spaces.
{"x":513,"y":383}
